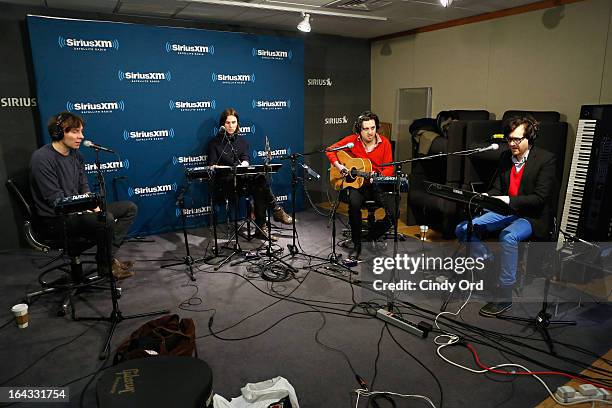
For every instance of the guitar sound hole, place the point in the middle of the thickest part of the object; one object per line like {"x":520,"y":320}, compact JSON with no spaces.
{"x":351,"y":176}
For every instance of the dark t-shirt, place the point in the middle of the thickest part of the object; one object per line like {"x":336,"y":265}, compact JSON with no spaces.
{"x":54,"y":176}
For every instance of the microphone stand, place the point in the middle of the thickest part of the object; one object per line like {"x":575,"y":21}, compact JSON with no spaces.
{"x":333,"y":258}
{"x":388,"y":315}
{"x":115,"y":316}
{"x":543,"y":319}
{"x":267,"y":269}
{"x":187,"y":259}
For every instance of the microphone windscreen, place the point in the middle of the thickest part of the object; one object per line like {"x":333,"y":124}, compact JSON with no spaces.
{"x":350,"y":145}
{"x":494,"y":146}
{"x":87,"y":143}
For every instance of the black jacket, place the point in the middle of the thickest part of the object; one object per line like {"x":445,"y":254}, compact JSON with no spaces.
{"x":227,"y":151}
{"x":538,"y":192}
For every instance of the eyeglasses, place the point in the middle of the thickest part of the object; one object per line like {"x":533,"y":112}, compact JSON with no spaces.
{"x":515,"y":140}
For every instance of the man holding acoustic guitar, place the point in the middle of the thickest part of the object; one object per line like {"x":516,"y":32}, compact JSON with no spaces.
{"x":356,"y":168}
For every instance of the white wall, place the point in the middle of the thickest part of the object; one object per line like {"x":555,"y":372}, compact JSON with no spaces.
{"x":554,"y":59}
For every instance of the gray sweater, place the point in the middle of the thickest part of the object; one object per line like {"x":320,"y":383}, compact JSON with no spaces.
{"x":54,"y":176}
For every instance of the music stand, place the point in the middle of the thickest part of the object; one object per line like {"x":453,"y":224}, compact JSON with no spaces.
{"x":236,"y":250}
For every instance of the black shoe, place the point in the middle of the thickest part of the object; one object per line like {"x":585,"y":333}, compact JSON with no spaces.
{"x":353,"y":247}
{"x":500,"y":305}
{"x":356,"y":252}
{"x":493,"y":309}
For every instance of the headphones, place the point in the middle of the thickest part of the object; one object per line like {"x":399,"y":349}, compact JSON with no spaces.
{"x":532,"y":127}
{"x":58,"y":133}
{"x":366,"y":115}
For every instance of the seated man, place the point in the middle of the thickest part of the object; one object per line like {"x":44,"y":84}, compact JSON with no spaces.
{"x":525,"y":179}
{"x":57,"y":171}
{"x":229,"y":149}
{"x":367,"y":144}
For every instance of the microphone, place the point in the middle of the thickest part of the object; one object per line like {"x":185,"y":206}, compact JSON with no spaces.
{"x":226,"y":133}
{"x":268,"y":151}
{"x":493,"y":146}
{"x":92,"y":145}
{"x":349,"y":145}
{"x":310,"y":171}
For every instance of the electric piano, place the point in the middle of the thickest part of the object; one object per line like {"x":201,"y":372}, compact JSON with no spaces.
{"x":587,"y":212}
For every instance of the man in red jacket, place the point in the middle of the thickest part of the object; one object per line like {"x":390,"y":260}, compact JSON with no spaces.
{"x":367,"y":144}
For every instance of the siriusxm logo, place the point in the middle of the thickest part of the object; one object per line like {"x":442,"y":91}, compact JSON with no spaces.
{"x":243,"y":130}
{"x":101,"y":107}
{"x":193,"y":212}
{"x":80,"y":44}
{"x":108,"y":166}
{"x":140,"y":135}
{"x":319,"y":82}
{"x":272,"y":54}
{"x":152,"y":191}
{"x":184,"y":49}
{"x":195,"y":106}
{"x":146,"y":77}
{"x":189,"y":160}
{"x":336,"y":121}
{"x":283,"y":198}
{"x":237,"y":79}
{"x":271,"y":105}
{"x":18,"y":102}
{"x":273,"y":153}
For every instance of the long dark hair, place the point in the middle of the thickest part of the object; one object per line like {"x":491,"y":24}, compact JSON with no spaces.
{"x":229,"y":112}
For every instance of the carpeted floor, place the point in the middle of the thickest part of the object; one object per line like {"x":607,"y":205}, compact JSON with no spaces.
{"x":316,"y":329}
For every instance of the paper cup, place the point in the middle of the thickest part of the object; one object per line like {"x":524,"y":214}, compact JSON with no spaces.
{"x":21,"y":315}
{"x":424,"y":229}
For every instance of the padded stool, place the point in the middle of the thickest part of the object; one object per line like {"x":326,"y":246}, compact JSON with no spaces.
{"x":160,"y":381}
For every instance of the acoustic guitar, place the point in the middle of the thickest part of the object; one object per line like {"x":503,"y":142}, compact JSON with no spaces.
{"x":359,"y":170}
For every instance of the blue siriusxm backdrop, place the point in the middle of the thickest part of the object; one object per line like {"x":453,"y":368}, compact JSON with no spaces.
{"x":154,"y":95}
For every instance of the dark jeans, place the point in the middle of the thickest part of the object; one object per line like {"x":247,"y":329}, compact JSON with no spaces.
{"x":89,"y":227}
{"x":256,"y":186}
{"x":357,"y":198}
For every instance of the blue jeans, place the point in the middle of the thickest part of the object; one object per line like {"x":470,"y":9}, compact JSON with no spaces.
{"x":512,"y":230}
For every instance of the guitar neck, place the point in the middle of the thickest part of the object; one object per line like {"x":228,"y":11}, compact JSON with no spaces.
{"x":359,"y":173}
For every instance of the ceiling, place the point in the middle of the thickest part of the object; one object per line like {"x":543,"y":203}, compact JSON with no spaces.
{"x":402,"y":15}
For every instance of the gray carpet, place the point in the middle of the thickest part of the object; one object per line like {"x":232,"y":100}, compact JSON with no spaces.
{"x":307,"y":329}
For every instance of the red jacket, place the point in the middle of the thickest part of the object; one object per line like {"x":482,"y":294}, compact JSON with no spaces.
{"x":381,"y":153}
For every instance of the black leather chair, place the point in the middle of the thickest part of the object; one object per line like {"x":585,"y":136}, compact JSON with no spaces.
{"x":72,"y":278}
{"x":540,"y":116}
{"x":480,"y":169}
{"x":423,"y":208}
